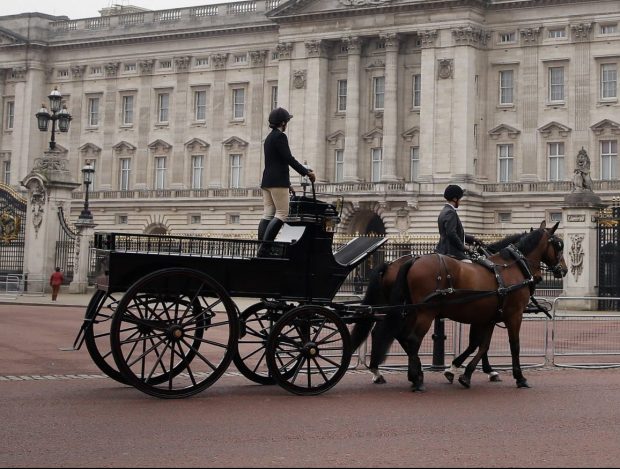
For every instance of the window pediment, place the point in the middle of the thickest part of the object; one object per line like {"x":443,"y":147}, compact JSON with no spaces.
{"x":124,"y":148}
{"x":504,"y":129}
{"x":374,"y":134}
{"x":90,"y":149}
{"x":606,"y":125}
{"x":160,"y":146}
{"x":196,"y":144}
{"x":553,"y":128}
{"x":234,"y":143}
{"x":410,"y":134}
{"x":335,"y":137}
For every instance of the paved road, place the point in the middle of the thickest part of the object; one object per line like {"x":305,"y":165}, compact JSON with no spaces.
{"x":57,"y":410}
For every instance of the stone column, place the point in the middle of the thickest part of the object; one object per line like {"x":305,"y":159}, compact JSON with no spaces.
{"x":258,"y":121}
{"x":49,"y":186}
{"x":315,"y":110}
{"x":178,"y":126}
{"x":390,"y":109}
{"x":352,"y":122}
{"x":216,"y":161}
{"x":86,"y":230}
{"x":580,"y":248}
{"x":530,"y":93}
{"x":427,"y":110}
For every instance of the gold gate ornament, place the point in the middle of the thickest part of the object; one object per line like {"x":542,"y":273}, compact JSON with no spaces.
{"x":9,"y":226}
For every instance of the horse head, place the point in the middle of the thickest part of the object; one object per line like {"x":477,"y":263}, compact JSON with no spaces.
{"x":553,"y":254}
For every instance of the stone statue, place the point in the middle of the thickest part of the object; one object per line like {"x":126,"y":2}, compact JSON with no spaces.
{"x":582,"y":182}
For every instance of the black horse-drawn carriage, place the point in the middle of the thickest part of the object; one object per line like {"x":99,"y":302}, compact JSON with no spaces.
{"x":164,"y":317}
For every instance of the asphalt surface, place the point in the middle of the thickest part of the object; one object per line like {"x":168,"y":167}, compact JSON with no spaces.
{"x":58,"y":410}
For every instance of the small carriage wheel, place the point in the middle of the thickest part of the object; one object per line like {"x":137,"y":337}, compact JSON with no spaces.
{"x":309,"y":350}
{"x":250,"y":359}
{"x":255,"y":326}
{"x":99,"y":312}
{"x":178,"y":324}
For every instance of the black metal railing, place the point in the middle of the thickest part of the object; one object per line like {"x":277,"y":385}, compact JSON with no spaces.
{"x":65,"y":248}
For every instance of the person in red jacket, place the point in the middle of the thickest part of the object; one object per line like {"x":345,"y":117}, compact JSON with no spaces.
{"x":55,"y":282}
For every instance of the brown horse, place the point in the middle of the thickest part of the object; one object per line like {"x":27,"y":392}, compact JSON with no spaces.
{"x":440,"y":286}
{"x":379,"y":290}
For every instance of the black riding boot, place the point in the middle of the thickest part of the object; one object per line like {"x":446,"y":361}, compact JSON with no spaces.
{"x":262,"y":227}
{"x":270,"y":234}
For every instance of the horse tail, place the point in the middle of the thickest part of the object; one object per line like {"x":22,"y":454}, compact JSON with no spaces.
{"x":374,"y":296}
{"x":400,"y":292}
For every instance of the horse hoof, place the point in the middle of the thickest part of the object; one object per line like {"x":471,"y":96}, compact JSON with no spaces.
{"x":449,"y":376}
{"x":494,"y":377}
{"x":379,"y":380}
{"x":465,"y":382}
{"x":523,"y":384}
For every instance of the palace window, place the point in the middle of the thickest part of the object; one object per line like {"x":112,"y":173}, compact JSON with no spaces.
{"x":417,"y":90}
{"x":125,"y":173}
{"x":556,"y":161}
{"x":160,"y":172}
{"x":507,"y":38}
{"x":163,"y":107}
{"x":235,"y":171}
{"x":274,"y":96}
{"x":342,"y":96}
{"x":377,"y":163}
{"x":610,"y":28}
{"x":378,"y":89}
{"x":200,"y":106}
{"x":556,"y":84}
{"x":93,"y":111}
{"x":197,"y":171}
{"x":609,"y":81}
{"x":238,"y":103}
{"x":505,"y":162}
{"x":609,"y":159}
{"x":6,"y":172}
{"x":339,"y":165}
{"x":415,"y":163}
{"x":557,"y":33}
{"x":10,"y":115}
{"x":506,"y":87}
{"x":127,"y":109}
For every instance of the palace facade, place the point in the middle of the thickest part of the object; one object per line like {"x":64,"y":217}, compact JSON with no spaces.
{"x":392,"y":100}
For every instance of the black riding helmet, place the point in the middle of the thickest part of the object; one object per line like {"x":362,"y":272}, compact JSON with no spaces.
{"x":279,"y":116}
{"x":453,"y":192}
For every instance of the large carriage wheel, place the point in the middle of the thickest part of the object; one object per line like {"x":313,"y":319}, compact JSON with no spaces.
{"x":99,"y":313}
{"x":309,"y":350}
{"x":174,"y":333}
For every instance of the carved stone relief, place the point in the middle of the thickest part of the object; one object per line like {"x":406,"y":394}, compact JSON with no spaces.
{"x":284,"y":50}
{"x":576,"y":255}
{"x":446,"y":68}
{"x":299,"y":79}
{"x":37,"y":202}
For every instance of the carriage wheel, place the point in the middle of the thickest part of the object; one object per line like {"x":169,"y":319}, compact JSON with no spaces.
{"x":99,"y":312}
{"x":174,"y":333}
{"x":309,"y":350}
{"x":251,"y":357}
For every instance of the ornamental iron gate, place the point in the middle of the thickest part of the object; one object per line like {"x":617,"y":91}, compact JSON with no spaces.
{"x":65,"y":247}
{"x":12,"y":231}
{"x":609,"y":256}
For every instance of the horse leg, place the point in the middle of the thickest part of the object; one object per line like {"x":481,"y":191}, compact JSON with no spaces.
{"x":488,"y":369}
{"x":458,"y":361}
{"x":414,"y":342}
{"x":484,"y":338}
{"x":381,"y":341}
{"x":514,"y":327}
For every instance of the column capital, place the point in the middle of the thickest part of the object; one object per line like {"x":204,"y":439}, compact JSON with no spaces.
{"x":353,"y":44}
{"x":284,"y":50}
{"x":257,"y":57}
{"x":530,"y":35}
{"x":581,"y":31}
{"x":428,"y":38}
{"x":182,"y":63}
{"x":391,"y":41}
{"x":78,"y":70}
{"x":146,"y":66}
{"x":468,"y":35}
{"x":219,"y":60}
{"x":111,"y":69}
{"x":315,"y":48}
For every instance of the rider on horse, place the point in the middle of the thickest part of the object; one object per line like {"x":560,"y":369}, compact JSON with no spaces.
{"x":452,"y":237}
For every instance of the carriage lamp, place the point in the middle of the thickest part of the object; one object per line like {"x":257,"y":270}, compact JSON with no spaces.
{"x":57,"y":112}
{"x":88,"y":171}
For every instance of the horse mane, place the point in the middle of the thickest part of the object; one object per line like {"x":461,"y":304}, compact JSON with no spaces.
{"x":526,"y":244}
{"x":505,"y":242}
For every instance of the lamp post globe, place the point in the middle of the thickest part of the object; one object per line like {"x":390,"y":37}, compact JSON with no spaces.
{"x":88,"y":172}
{"x":57,"y":112}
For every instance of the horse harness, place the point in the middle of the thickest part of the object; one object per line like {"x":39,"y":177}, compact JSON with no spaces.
{"x":502,"y":290}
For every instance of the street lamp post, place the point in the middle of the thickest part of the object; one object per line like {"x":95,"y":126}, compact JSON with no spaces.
{"x":88,"y":171}
{"x":58,"y":113}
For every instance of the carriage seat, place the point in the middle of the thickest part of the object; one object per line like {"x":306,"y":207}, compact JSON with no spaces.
{"x":356,"y":250}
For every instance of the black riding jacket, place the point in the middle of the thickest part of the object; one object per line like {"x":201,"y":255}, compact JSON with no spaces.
{"x":278,"y":158}
{"x":452,"y":237}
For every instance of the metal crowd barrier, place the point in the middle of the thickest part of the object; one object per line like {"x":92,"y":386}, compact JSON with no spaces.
{"x":585,"y":339}
{"x":10,"y":286}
